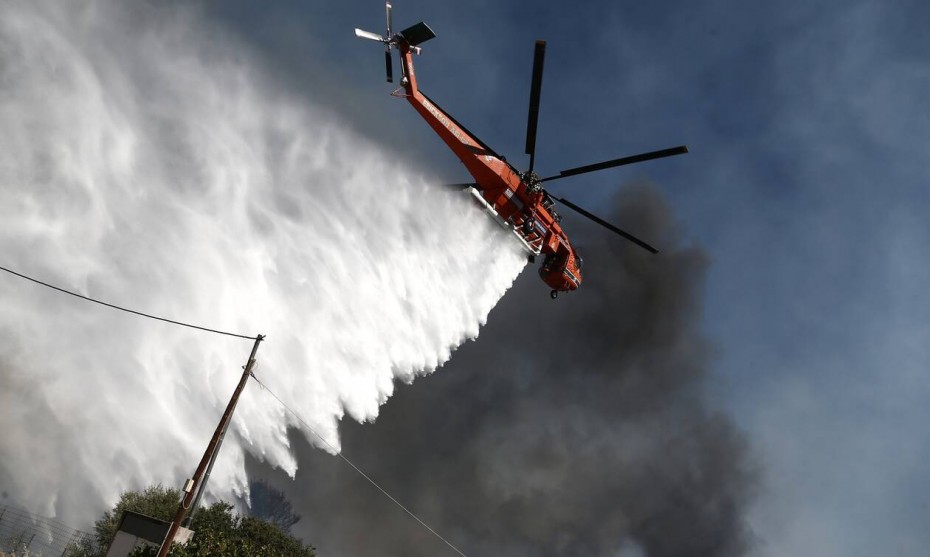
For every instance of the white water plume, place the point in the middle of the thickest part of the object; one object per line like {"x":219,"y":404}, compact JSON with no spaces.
{"x":145,"y":160}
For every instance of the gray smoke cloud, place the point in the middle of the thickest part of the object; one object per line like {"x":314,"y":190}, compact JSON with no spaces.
{"x":574,"y":427}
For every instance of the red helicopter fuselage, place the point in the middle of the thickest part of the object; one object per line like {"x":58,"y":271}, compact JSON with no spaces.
{"x":511,"y":198}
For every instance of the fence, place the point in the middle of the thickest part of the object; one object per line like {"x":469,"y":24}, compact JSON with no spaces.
{"x":23,"y":533}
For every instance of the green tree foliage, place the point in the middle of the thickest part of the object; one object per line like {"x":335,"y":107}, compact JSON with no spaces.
{"x":218,"y":531}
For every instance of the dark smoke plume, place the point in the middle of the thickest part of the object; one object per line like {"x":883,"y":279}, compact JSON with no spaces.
{"x":573,"y":428}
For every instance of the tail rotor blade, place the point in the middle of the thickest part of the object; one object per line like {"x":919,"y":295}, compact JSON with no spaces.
{"x":680,"y":150}
{"x":368,"y":35}
{"x":539,"y":57}
{"x":388,"y":66}
{"x":607,"y":225}
{"x":387,"y":12}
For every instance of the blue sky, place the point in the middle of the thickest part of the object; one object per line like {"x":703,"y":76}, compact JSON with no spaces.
{"x":808,"y":125}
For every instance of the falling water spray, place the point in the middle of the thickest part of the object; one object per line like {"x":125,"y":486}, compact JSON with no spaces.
{"x":146,"y":160}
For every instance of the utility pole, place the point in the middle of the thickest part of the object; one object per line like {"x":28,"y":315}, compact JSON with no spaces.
{"x":203,"y":484}
{"x":191,"y":486}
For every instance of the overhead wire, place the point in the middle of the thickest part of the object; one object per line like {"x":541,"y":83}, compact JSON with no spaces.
{"x":261,"y":384}
{"x":354,"y":467}
{"x":120,"y":308}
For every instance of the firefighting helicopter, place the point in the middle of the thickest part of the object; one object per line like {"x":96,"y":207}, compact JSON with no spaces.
{"x":515,"y":199}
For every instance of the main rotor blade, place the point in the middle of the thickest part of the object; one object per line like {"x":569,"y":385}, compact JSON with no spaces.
{"x":680,"y":150}
{"x":539,"y":57}
{"x":607,"y":225}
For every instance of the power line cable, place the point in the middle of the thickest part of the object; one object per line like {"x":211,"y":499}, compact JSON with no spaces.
{"x":76,"y":295}
{"x":263,"y":386}
{"x":354,"y":467}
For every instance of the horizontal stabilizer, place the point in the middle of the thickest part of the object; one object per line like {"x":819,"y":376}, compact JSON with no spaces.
{"x":416,"y":34}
